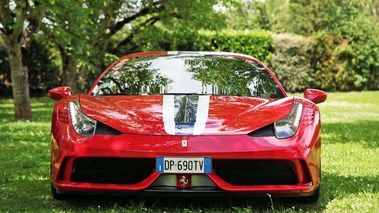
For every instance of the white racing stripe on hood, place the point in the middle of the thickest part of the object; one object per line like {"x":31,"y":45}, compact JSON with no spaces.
{"x":169,"y":114}
{"x":202,"y":114}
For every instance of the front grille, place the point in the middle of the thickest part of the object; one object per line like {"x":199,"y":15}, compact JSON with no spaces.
{"x":111,"y":170}
{"x":256,"y":172}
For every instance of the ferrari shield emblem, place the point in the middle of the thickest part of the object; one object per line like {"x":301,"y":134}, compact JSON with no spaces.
{"x":184,"y":143}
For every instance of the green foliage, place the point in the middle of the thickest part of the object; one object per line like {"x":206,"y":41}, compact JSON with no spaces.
{"x":329,"y":73}
{"x":303,"y":17}
{"x":290,"y":61}
{"x":325,"y":61}
{"x":343,"y":52}
{"x":361,"y":57}
{"x":248,"y":15}
{"x":174,"y":27}
{"x":164,"y":40}
{"x":254,"y":43}
{"x":345,"y":64}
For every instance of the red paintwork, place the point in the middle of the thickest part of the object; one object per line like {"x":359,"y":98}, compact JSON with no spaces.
{"x":225,"y":136}
{"x":60,"y":92}
{"x":143,"y":114}
{"x":317,"y":96}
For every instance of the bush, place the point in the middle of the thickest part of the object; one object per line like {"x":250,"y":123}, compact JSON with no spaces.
{"x":254,"y":43}
{"x":329,"y":70}
{"x":361,"y":60}
{"x":290,"y":61}
{"x":345,"y":64}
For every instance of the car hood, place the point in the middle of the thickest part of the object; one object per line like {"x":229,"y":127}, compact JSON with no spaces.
{"x":185,"y":114}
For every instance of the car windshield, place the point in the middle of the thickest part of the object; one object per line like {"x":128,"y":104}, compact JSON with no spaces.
{"x":188,"y":74}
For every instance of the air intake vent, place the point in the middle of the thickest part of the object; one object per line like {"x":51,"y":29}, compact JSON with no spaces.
{"x":111,"y":170}
{"x":256,"y":172}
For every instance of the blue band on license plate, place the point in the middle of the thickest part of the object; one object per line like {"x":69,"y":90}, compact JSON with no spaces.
{"x":199,"y":165}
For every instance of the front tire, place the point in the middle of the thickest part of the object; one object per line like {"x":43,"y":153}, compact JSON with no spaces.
{"x":56,"y":195}
{"x":314,"y":198}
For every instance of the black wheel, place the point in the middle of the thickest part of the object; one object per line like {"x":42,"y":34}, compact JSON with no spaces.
{"x":57,"y":195}
{"x":304,"y":200}
{"x":313,"y":198}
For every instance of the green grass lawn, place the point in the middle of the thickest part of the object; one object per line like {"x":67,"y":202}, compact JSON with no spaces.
{"x":350,"y":166}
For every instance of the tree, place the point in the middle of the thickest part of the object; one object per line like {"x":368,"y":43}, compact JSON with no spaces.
{"x":248,"y":15}
{"x":67,"y":25}
{"x":302,"y":17}
{"x":19,"y":21}
{"x":92,"y":30}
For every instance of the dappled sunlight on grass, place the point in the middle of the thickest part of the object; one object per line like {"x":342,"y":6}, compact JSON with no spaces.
{"x":364,"y":132}
{"x":360,"y":202}
{"x":353,"y":159}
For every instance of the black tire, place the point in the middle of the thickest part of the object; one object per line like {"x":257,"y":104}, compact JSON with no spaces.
{"x":56,"y":195}
{"x":313,"y":198}
{"x":306,"y":199}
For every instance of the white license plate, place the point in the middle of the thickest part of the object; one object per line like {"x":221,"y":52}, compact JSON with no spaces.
{"x":184,"y":165}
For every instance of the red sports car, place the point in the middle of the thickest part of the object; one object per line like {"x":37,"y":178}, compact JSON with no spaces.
{"x":186,"y":123}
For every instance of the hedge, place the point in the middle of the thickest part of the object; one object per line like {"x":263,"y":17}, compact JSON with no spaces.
{"x":254,"y":43}
{"x":290,"y":61}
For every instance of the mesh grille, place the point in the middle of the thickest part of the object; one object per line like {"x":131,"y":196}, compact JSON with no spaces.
{"x":247,"y":172}
{"x":111,"y":170}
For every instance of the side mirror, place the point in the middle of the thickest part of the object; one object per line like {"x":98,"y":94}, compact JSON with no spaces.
{"x":315,"y":95}
{"x":58,"y":93}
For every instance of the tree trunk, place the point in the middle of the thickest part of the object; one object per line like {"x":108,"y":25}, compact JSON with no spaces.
{"x":72,"y":79}
{"x":20,"y":83}
{"x":69,"y":69}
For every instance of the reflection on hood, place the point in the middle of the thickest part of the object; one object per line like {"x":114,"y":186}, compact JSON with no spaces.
{"x":185,"y":114}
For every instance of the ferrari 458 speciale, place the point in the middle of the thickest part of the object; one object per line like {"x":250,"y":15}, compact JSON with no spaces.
{"x":186,"y":123}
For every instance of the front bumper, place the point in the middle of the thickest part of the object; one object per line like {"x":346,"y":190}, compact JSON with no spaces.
{"x":242,"y":165}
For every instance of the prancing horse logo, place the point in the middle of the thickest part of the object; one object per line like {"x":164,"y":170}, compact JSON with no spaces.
{"x":184,"y":143}
{"x":183,"y":181}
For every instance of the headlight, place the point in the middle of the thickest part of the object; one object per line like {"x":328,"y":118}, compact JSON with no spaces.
{"x":83,"y":125}
{"x":287,"y":127}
